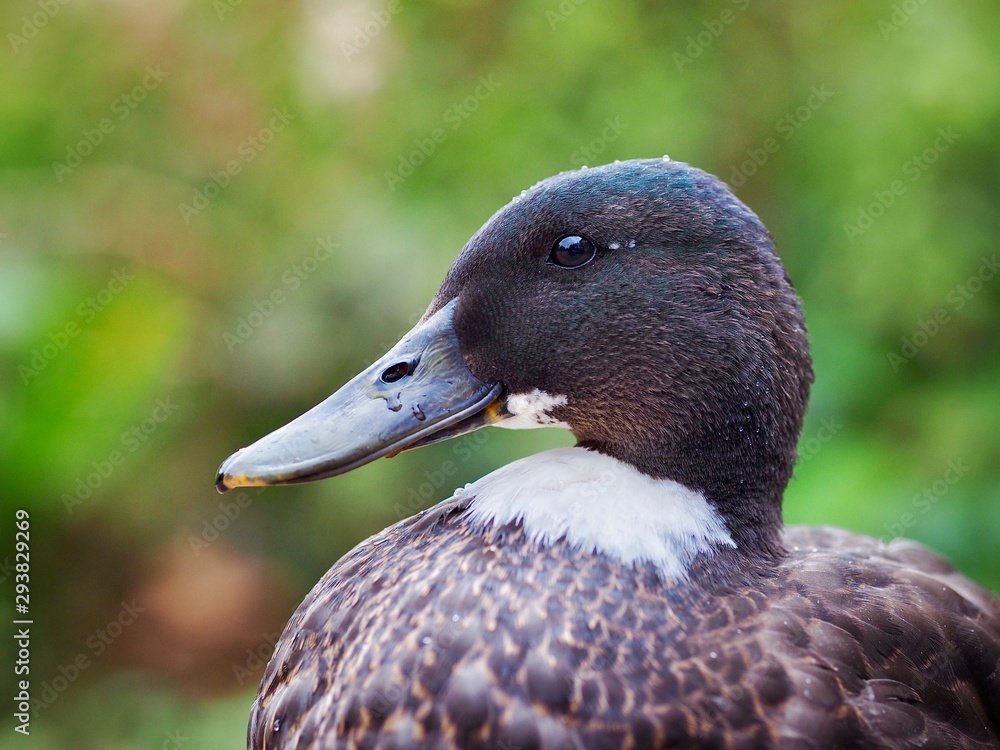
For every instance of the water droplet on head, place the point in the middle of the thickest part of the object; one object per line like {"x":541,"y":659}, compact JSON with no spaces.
{"x":666,"y":158}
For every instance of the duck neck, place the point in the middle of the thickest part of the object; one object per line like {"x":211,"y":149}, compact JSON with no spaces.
{"x":746,"y":498}
{"x":741,"y":475}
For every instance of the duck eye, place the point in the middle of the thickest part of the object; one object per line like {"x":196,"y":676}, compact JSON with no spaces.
{"x":572,"y":252}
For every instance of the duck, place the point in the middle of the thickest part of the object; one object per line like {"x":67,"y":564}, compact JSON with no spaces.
{"x":639,"y":589}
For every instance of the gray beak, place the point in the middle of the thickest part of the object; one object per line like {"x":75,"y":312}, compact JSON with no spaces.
{"x":419,"y":393}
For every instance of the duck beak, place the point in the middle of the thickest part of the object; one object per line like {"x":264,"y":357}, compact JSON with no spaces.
{"x":419,"y":393}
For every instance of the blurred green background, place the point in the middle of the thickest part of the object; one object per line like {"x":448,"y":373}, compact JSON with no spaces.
{"x":214,"y":213}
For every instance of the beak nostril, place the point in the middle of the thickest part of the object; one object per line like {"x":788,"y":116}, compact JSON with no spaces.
{"x":396,"y":372}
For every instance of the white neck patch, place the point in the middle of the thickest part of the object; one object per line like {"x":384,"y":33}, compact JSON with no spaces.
{"x":600,"y":504}
{"x":530,"y":410}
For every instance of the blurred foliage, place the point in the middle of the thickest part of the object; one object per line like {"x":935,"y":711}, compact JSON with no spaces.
{"x":142,"y":341}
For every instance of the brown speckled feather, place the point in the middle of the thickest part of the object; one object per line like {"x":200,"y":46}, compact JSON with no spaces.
{"x":433,"y":634}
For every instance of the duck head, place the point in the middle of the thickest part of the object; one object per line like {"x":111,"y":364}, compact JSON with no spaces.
{"x":640,"y":304}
